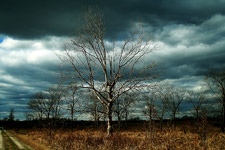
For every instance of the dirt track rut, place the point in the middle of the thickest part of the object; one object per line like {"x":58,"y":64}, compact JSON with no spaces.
{"x":9,"y":142}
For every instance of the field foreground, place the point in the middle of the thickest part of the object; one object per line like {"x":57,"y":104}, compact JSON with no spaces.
{"x":184,"y":138}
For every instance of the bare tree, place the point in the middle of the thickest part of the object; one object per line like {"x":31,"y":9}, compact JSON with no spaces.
{"x":150,"y":100}
{"x":216,"y":83}
{"x":110,"y":69}
{"x":95,"y":108}
{"x":197,"y":99}
{"x":47,"y":104}
{"x":37,"y":105}
{"x":176,"y":97}
{"x":121,"y":107}
{"x":73,"y":96}
{"x":54,"y":101}
{"x":164,"y":93}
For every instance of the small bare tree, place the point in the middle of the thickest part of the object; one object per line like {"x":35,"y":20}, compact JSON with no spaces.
{"x":216,"y":83}
{"x":176,"y":97}
{"x":47,"y":104}
{"x":121,"y":107}
{"x":54,"y":101}
{"x":95,"y":109}
{"x":72,"y":99}
{"x":108,"y":70}
{"x":163,"y":105}
{"x":150,"y":106}
{"x":197,"y":99}
{"x":37,"y":105}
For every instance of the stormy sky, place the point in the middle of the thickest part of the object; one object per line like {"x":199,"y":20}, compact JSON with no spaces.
{"x":190,"y":34}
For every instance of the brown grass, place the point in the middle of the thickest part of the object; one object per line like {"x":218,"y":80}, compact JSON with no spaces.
{"x":184,"y":138}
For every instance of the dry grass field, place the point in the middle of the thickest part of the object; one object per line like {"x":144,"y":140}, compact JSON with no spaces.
{"x":184,"y":137}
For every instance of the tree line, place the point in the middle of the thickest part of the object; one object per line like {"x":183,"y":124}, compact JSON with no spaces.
{"x":160,"y":103}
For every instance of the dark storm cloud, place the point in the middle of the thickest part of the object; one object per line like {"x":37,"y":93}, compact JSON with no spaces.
{"x":37,"y":18}
{"x":187,"y":62}
{"x":192,"y":50}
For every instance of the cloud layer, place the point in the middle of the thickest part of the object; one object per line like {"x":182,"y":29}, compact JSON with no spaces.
{"x":190,"y":34}
{"x":27,"y":66}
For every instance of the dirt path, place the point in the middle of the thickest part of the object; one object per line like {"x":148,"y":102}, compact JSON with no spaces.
{"x":1,"y":141}
{"x":9,"y":142}
{"x":14,"y":140}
